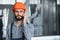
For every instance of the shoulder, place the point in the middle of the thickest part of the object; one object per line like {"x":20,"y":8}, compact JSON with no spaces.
{"x":30,"y":26}
{"x":9,"y":26}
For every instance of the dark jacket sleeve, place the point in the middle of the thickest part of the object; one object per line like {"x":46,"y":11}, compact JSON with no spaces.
{"x":28,"y":31}
{"x":1,"y":26}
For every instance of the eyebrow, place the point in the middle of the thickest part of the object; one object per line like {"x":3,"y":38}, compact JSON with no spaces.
{"x":19,"y":11}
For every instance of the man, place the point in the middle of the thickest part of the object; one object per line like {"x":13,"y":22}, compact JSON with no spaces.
{"x":19,"y":29}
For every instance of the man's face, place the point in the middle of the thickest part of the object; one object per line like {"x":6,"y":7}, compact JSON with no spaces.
{"x":19,"y":14}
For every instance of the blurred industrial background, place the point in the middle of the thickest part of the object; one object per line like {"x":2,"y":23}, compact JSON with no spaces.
{"x":43,"y":14}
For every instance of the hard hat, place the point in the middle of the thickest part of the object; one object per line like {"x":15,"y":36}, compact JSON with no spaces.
{"x":19,"y":5}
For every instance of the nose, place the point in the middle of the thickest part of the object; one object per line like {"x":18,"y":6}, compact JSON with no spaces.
{"x":19,"y":13}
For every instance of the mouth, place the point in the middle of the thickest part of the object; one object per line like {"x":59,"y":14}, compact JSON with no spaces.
{"x":19,"y":18}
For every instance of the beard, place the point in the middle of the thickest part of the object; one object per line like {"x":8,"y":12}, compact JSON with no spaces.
{"x":19,"y":18}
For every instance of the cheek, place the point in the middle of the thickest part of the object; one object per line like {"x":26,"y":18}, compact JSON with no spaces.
{"x":15,"y":14}
{"x":23,"y":14}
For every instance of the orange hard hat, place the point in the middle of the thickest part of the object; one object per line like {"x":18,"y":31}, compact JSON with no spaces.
{"x":19,"y":5}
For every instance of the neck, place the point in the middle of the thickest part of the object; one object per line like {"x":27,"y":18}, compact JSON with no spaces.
{"x":18,"y":23}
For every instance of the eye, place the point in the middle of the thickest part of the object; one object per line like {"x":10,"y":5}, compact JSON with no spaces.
{"x":21,"y":11}
{"x":16,"y":11}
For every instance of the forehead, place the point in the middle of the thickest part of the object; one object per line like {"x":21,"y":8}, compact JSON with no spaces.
{"x":19,"y":10}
